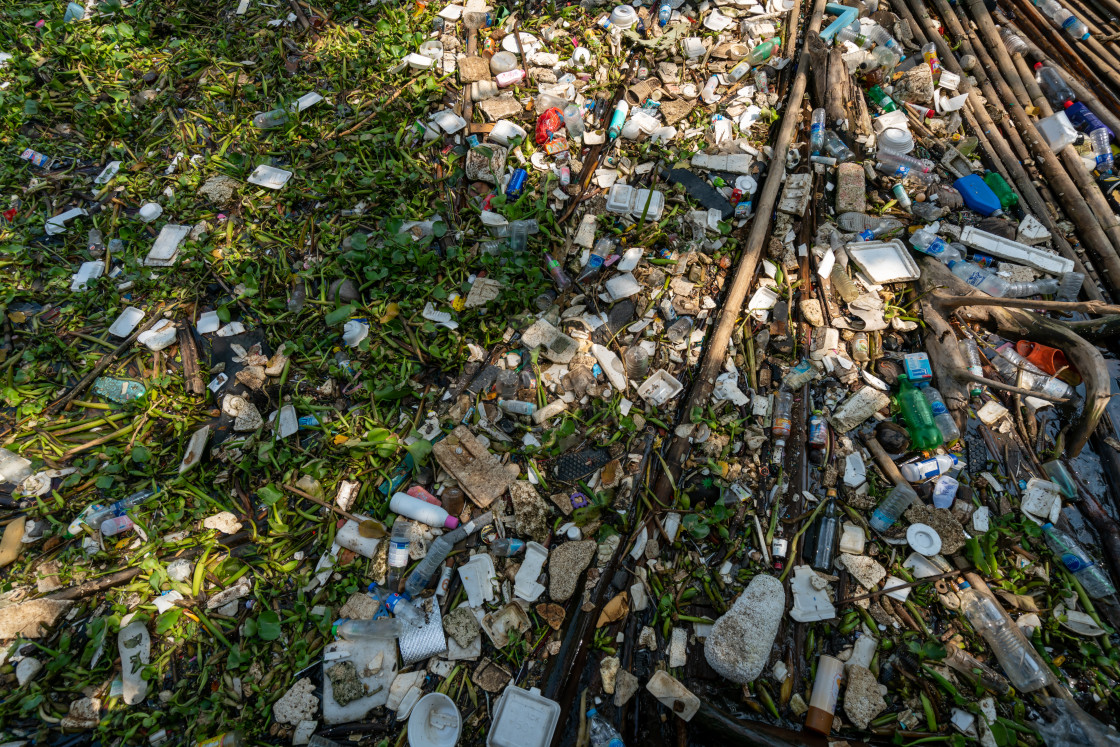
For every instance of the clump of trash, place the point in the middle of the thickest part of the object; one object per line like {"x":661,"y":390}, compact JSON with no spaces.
{"x":523,"y":374}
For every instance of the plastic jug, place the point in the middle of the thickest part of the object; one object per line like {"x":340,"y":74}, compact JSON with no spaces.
{"x":1057,"y":131}
{"x":978,"y":196}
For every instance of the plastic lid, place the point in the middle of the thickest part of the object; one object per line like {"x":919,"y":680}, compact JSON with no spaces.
{"x":964,"y":585}
{"x":923,"y":539}
{"x":1037,"y":65}
{"x":1068,"y":104}
{"x":1048,"y":525}
{"x":451,"y":522}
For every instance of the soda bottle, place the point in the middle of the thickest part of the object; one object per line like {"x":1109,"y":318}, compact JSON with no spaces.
{"x":918,"y":416}
{"x":600,"y":731}
{"x":891,"y":507}
{"x":945,"y":423}
{"x":816,"y":132}
{"x":557,"y":272}
{"x":836,"y":148}
{"x":1011,"y":648}
{"x":929,"y":54}
{"x":398,"y":552}
{"x":1053,"y":86}
{"x":762,"y":52}
{"x":882,"y":100}
{"x":817,"y":437}
{"x":1078,"y":562}
{"x":1003,"y":190}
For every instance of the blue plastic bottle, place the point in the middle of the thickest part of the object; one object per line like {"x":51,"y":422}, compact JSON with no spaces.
{"x":1083,"y":118}
{"x":978,"y":196}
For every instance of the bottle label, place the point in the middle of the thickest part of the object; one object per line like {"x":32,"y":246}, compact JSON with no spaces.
{"x":398,"y":554}
{"x":880,"y":520}
{"x":938,"y":408}
{"x":976,"y":278}
{"x":1075,"y":563}
{"x":783,"y":425}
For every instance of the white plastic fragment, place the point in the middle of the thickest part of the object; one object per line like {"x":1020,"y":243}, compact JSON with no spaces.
{"x":1013,"y":251}
{"x":87,"y":272}
{"x":270,"y":177}
{"x":57,"y":224}
{"x":159,"y":335}
{"x":126,"y":322}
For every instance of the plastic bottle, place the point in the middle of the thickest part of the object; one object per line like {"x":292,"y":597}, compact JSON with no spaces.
{"x":1102,"y":150}
{"x":1053,"y":86}
{"x":844,"y":285}
{"x":852,"y":34}
{"x":679,"y":330}
{"x":898,"y":159}
{"x":664,"y":13}
{"x":1011,"y":40}
{"x":427,"y":568}
{"x":573,"y":120}
{"x":826,"y":691}
{"x":600,"y":731}
{"x":1015,"y":654}
{"x":816,"y":132}
{"x":929,"y":54}
{"x":399,"y":542}
{"x":861,"y":351}
{"x":116,"y":525}
{"x":517,"y":407}
{"x":1007,"y":197}
{"x":352,"y":630}
{"x":761,"y":81}
{"x":913,"y":176}
{"x":817,"y":431}
{"x":879,"y":35}
{"x":557,"y":272}
{"x":881,"y":99}
{"x":887,"y":59}
{"x":971,"y":354}
{"x":799,"y":376}
{"x":918,"y":416}
{"x":1058,"y":474}
{"x":506,"y":547}
{"x":926,"y":469}
{"x":836,"y":148}
{"x":1083,"y":118}
{"x":782,"y":423}
{"x":422,"y":511}
{"x":95,"y":243}
{"x":518,"y":237}
{"x":979,"y":278}
{"x":636,"y":361}
{"x":270,"y":120}
{"x":1021,"y":372}
{"x":404,"y":611}
{"x":891,"y":507}
{"x":1065,"y":18}
{"x":119,"y":507}
{"x":945,"y":423}
{"x":618,"y":119}
{"x":1069,"y":286}
{"x":1078,"y":562}
{"x":737,"y":73}
{"x":762,"y":52}
{"x":822,"y":545}
{"x":868,"y":227}
{"x":928,"y":242}
{"x":708,"y":94}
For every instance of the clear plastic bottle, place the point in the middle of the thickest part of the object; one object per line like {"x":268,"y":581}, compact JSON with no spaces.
{"x":928,"y":242}
{"x":899,"y":159}
{"x":506,"y":547}
{"x":518,"y":237}
{"x":427,"y":568}
{"x":738,"y":72}
{"x":601,"y":732}
{"x":836,"y":148}
{"x":844,"y":285}
{"x":1053,"y":86}
{"x":96,"y":243}
{"x":352,"y":630}
{"x":852,"y":34}
{"x":664,"y":12}
{"x":708,"y":94}
{"x":979,"y":278}
{"x":119,"y":507}
{"x":1069,"y":286}
{"x":971,"y":354}
{"x":1084,"y":119}
{"x":1102,"y":150}
{"x":822,"y":545}
{"x":517,"y":407}
{"x":116,"y":525}
{"x":887,"y":59}
{"x":1065,"y":18}
{"x":912,"y":176}
{"x":816,"y":132}
{"x":891,"y":507}
{"x":927,"y":469}
{"x":782,"y":423}
{"x":861,"y":351}
{"x":1091,"y":576}
{"x":1011,"y":648}
{"x":1011,"y":40}
{"x":573,"y":120}
{"x":880,"y":36}
{"x":868,"y":227}
{"x":679,"y":330}
{"x":636,"y":361}
{"x":800,"y":375}
{"x":559,"y":277}
{"x":399,"y":542}
{"x":1020,"y":372}
{"x":270,"y":120}
{"x":945,"y":423}
{"x":404,"y":611}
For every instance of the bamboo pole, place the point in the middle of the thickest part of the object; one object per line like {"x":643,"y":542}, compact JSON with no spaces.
{"x":716,"y":353}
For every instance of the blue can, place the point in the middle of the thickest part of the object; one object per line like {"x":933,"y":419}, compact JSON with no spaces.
{"x":516,"y":183}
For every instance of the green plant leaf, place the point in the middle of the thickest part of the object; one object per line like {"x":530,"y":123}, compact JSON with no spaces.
{"x":339,"y":315}
{"x":270,"y":494}
{"x":268,"y":625}
{"x":167,"y":620}
{"x":140,"y":454}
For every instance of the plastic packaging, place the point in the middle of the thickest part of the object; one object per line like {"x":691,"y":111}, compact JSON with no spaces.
{"x":427,"y":568}
{"x":980,"y":278}
{"x":422,"y":511}
{"x":800,"y":375}
{"x":978,"y":196}
{"x":1006,"y":641}
{"x":1069,"y":287}
{"x":601,"y":732}
{"x":816,"y":132}
{"x":945,"y":422}
{"x":664,"y":12}
{"x":929,"y":54}
{"x":1102,"y":150}
{"x":506,"y":547}
{"x":636,"y":361}
{"x":891,"y":507}
{"x":1057,"y":130}
{"x":116,"y":525}
{"x":945,"y":491}
{"x":918,"y":416}
{"x":826,"y":691}
{"x":1056,"y":90}
{"x":1091,"y":576}
{"x":399,"y":542}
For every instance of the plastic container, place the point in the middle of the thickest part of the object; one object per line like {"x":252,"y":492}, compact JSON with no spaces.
{"x":945,"y":491}
{"x":826,"y":691}
{"x":881,"y":99}
{"x":270,"y":120}
{"x":563,"y":282}
{"x":922,"y":165}
{"x":636,"y":361}
{"x":1005,"y":640}
{"x":664,"y":12}
{"x":836,"y":148}
{"x":895,"y":140}
{"x":971,"y":353}
{"x":762,"y":52}
{"x":418,"y":510}
{"x":434,"y":722}
{"x":523,"y":718}
{"x":891,"y":507}
{"x":929,"y":54}
{"x":928,"y":242}
{"x":918,"y":416}
{"x":1091,"y":576}
{"x":1056,"y":90}
{"x":1084,"y":119}
{"x":1060,"y":476}
{"x":978,"y":196}
{"x":380,"y":628}
{"x":821,"y":544}
{"x":624,"y":16}
{"x":941,"y":416}
{"x":1057,"y":130}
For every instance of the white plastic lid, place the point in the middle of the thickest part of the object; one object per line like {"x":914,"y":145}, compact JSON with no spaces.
{"x":523,"y":718}
{"x":896,"y":140}
{"x":923,"y":539}
{"x":624,"y":16}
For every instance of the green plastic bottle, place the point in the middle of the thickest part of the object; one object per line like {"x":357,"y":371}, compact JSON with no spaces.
{"x":918,"y":416}
{"x":881,"y":99}
{"x":1003,"y":190}
{"x":762,"y":52}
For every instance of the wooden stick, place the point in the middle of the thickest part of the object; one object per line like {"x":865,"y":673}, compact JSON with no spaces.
{"x":910,"y":585}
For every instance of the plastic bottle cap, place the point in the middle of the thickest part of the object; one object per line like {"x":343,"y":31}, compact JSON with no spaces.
{"x":1068,"y":104}
{"x":1037,"y":65}
{"x":1048,"y":525}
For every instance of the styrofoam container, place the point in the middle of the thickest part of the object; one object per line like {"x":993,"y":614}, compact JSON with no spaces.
{"x":432,"y":48}
{"x":884,"y":261}
{"x":434,"y":722}
{"x":418,"y":61}
{"x":660,"y":388}
{"x":504,"y":131}
{"x":126,"y":322}
{"x":523,"y":718}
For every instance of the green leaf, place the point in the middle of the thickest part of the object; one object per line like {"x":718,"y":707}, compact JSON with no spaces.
{"x":268,"y":625}
{"x":168,"y":620}
{"x":223,"y":314}
{"x":439,"y":229}
{"x":140,"y":454}
{"x":30,"y":107}
{"x":270,"y":494}
{"x":104,"y":482}
{"x":250,"y":627}
{"x":359,"y":241}
{"x":339,"y":315}
{"x":419,"y":449}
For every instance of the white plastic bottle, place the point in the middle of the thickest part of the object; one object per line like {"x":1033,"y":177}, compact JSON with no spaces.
{"x":422,"y":511}
{"x":1015,"y":654}
{"x":925,"y":469}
